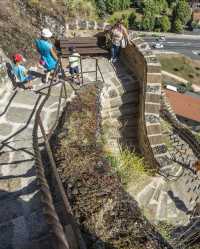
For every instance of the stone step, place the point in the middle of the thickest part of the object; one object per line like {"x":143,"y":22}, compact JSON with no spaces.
{"x":21,"y":231}
{"x":19,"y":204}
{"x":144,"y":196}
{"x":161,"y":212}
{"x":179,"y":194}
{"x":45,"y":242}
{"x":156,"y":194}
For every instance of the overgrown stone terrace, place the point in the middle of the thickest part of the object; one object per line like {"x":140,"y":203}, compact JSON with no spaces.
{"x":130,"y":101}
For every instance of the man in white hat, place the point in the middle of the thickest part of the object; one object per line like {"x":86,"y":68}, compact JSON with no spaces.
{"x":49,"y":58}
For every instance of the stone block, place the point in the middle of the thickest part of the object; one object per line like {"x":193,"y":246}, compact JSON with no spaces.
{"x":164,"y":160}
{"x":115,"y":81}
{"x":152,"y":108}
{"x":128,"y":120}
{"x":156,"y":68}
{"x":129,"y":132}
{"x":154,"y":98}
{"x":154,"y":78}
{"x":152,"y":118}
{"x":151,"y":59}
{"x":113,"y":93}
{"x":155,"y":139}
{"x":115,"y":102}
{"x":153,"y":129}
{"x":153,"y":88}
{"x":159,"y":149}
{"x":131,"y":97}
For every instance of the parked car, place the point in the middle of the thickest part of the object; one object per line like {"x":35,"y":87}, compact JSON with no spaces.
{"x":158,"y":45}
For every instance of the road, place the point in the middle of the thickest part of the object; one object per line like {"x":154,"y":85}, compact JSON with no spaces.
{"x":187,"y":46}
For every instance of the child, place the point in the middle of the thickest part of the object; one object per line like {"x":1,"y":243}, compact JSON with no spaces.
{"x":20,"y":71}
{"x":74,"y":62}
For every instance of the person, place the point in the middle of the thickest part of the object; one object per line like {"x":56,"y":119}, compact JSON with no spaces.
{"x":49,"y":58}
{"x":20,"y":72}
{"x":118,"y":33}
{"x":74,"y":62}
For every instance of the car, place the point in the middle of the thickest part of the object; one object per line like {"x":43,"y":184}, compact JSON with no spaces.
{"x":160,"y":39}
{"x":158,"y":45}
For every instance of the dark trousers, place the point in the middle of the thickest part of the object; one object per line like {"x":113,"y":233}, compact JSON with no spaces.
{"x":115,"y":51}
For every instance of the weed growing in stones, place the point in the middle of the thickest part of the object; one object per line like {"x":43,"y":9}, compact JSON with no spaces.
{"x":129,"y":166}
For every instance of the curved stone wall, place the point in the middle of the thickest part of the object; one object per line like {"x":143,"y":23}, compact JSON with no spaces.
{"x":143,"y":63}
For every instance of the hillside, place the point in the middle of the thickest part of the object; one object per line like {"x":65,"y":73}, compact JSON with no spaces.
{"x":21,"y":21}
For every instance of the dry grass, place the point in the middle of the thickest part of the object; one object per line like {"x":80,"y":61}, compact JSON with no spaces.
{"x":181,"y":66}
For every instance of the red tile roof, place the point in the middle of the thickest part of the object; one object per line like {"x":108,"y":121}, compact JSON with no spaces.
{"x":184,"y":105}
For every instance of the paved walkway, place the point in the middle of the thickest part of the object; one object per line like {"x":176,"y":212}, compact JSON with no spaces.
{"x":22,"y":224}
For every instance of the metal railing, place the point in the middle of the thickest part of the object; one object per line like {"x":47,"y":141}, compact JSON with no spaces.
{"x":61,"y":241}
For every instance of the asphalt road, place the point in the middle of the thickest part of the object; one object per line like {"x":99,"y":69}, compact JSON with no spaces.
{"x":189,"y":47}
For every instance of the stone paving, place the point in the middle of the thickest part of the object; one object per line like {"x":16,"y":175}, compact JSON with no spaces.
{"x":22,"y":224}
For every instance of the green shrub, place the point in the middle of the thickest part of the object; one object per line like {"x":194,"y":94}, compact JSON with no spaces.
{"x":128,"y":165}
{"x":177,"y":26}
{"x":80,"y":7}
{"x":165,"y":24}
{"x":132,"y":20}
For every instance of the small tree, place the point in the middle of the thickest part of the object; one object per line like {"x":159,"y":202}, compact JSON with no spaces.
{"x":177,"y":26}
{"x":101,"y":7}
{"x":165,"y":24}
{"x":182,"y":12}
{"x":148,"y":23}
{"x":112,"y":5}
{"x":132,"y":20}
{"x":124,"y":4}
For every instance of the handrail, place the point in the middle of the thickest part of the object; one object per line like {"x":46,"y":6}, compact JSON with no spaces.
{"x":49,"y":209}
{"x":60,"y":240}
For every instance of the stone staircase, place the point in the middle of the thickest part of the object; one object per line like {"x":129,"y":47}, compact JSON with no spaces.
{"x":22,"y":224}
{"x":173,"y":201}
{"x":120,"y":107}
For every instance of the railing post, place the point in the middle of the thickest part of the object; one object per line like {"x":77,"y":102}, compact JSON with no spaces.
{"x":96,"y":69}
{"x":81,"y":66}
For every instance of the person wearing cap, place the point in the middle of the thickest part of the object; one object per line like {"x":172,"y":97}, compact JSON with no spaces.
{"x":20,"y":71}
{"x":49,"y":58}
{"x":74,"y":62}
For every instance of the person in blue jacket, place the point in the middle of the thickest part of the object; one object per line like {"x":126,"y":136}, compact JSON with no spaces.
{"x":49,"y":58}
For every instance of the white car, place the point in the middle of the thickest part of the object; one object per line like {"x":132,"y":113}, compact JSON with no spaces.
{"x":158,"y":45}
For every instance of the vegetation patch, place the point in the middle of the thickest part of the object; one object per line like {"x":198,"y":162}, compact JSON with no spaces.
{"x":181,"y":66}
{"x":109,"y":217}
{"x":129,"y":166}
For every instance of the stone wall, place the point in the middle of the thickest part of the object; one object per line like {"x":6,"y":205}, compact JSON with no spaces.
{"x":144,"y":64}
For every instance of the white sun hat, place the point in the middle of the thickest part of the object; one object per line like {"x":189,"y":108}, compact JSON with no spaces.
{"x":46,"y":33}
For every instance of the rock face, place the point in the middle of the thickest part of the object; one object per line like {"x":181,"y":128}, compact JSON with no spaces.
{"x":21,"y":22}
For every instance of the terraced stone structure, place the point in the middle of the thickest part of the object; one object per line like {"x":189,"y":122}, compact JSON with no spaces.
{"x":131,"y":104}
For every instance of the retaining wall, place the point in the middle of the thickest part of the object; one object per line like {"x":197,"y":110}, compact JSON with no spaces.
{"x":143,"y":63}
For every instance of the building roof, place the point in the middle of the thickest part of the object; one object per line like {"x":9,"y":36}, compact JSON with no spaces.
{"x":184,"y":105}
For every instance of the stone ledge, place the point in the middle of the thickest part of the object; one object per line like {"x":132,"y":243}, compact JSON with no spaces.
{"x":151,"y":97}
{"x":155,"y":139}
{"x":154,"y":78}
{"x":152,"y":108}
{"x":153,"y":129}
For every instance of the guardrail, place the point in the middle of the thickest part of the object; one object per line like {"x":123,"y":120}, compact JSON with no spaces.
{"x":60,"y":238}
